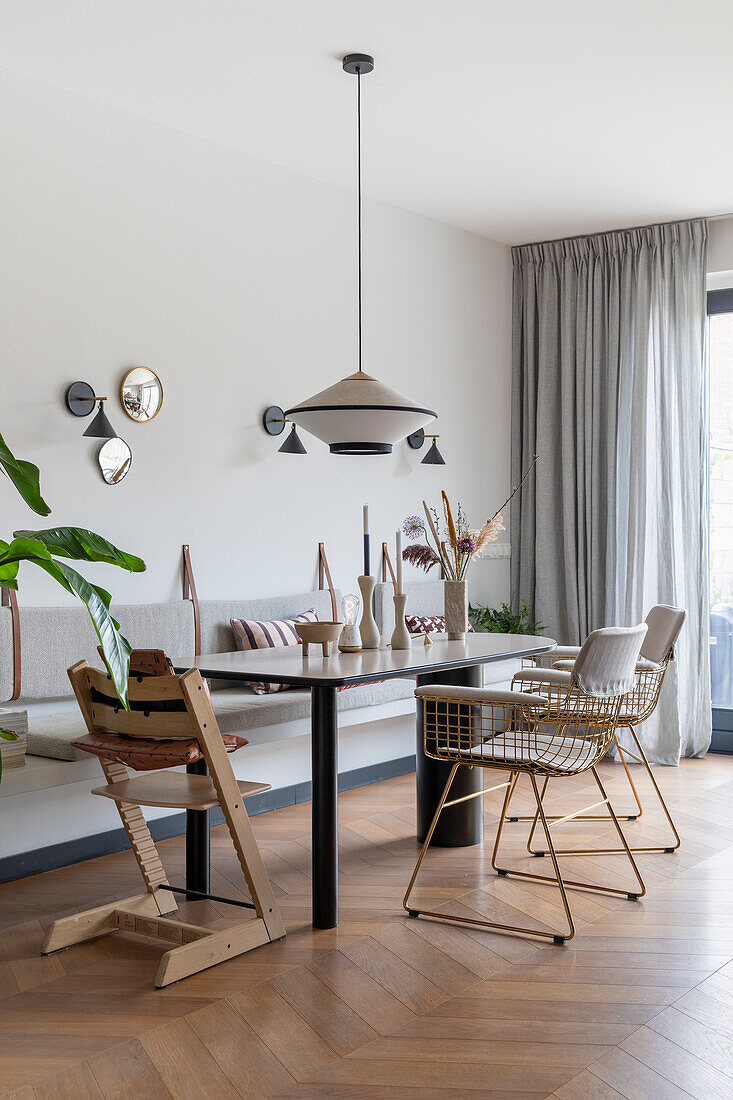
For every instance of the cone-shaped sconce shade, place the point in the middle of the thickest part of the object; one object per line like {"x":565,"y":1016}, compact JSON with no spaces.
{"x":100,"y":427}
{"x":293,"y":444}
{"x":360,"y":416}
{"x":433,"y":457}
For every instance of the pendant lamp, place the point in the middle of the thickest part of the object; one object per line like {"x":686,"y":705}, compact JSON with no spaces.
{"x":360,"y":415}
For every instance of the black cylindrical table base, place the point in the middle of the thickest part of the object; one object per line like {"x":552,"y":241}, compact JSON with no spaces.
{"x":459,"y":825}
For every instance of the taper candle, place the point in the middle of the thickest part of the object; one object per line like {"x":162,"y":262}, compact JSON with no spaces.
{"x":398,"y":561}
{"x":367,"y":570}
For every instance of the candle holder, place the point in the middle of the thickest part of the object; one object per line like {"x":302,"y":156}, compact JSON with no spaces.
{"x":401,"y":637}
{"x":368,"y":630}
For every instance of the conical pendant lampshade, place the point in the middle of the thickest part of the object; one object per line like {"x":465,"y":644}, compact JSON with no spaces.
{"x":360,"y":415}
{"x":100,"y":427}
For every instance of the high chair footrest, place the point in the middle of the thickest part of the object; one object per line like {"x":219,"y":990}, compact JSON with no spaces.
{"x":176,"y":789}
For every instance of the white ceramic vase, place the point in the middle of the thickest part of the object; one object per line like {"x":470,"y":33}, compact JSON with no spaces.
{"x":400,"y":635}
{"x":368,"y":629}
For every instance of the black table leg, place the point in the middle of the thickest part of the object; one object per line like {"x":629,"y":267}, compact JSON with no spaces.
{"x":324,"y":770}
{"x":459,"y":825}
{"x":198,"y":861}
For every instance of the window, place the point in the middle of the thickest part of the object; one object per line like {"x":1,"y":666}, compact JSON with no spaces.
{"x":720,"y":356}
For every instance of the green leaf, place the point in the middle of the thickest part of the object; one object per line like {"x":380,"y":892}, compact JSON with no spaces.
{"x":115,"y":648}
{"x":25,"y":477}
{"x":8,"y":735}
{"x":82,"y":545}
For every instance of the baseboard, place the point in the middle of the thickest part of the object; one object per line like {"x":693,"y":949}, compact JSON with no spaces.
{"x":54,"y":856}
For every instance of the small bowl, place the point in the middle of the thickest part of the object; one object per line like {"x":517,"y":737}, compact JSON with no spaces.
{"x":322,"y":634}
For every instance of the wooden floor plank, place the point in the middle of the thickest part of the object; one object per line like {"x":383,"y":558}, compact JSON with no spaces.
{"x":186,"y":1067}
{"x":125,"y":1072}
{"x":293,"y":1041}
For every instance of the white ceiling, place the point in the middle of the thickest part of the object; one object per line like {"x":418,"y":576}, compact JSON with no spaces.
{"x":518,"y":120}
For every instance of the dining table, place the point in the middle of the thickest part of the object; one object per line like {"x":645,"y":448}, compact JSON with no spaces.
{"x":442,"y":661}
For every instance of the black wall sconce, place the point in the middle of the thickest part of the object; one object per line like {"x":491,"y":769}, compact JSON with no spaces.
{"x":274,"y":421}
{"x":433,"y":457}
{"x":80,"y":401}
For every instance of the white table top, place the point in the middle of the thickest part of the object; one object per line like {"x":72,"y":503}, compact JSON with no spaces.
{"x":287,"y":665}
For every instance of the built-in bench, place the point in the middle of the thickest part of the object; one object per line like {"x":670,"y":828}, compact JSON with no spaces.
{"x":46,"y":802}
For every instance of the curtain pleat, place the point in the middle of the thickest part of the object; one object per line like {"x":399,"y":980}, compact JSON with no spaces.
{"x":610,"y":389}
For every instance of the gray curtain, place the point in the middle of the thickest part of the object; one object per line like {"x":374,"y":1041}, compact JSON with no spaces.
{"x":610,"y":389}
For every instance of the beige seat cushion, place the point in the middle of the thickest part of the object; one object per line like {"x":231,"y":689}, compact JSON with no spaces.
{"x":237,"y":710}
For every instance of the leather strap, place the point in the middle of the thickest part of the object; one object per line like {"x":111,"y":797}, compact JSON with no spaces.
{"x":323,"y":568}
{"x":189,"y":592}
{"x":387,"y":564}
{"x":10,"y":599}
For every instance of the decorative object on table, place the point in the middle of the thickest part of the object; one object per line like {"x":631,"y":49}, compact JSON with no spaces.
{"x":141,"y":394}
{"x":430,"y":624}
{"x":359,"y":415}
{"x":433,"y":457}
{"x":400,"y":635}
{"x":318,"y":633}
{"x":115,"y":459}
{"x":80,"y":401}
{"x":367,"y":557}
{"x":324,"y":573}
{"x":454,"y":553}
{"x":368,"y":629}
{"x":350,"y":640}
{"x":274,"y":421}
{"x":13,"y":738}
{"x":45,"y":548}
{"x":455,"y":597}
{"x":504,"y":619}
{"x":275,"y":634}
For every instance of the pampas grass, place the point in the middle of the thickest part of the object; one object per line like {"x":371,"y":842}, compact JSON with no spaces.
{"x":422,"y":556}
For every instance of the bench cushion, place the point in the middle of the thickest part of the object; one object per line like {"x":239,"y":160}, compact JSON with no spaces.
{"x":54,"y":638}
{"x":238,"y":710}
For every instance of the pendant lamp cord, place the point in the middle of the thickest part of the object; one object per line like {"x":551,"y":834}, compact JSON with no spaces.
{"x":358,"y":189}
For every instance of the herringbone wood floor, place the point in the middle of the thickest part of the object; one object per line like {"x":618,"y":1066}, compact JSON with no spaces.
{"x":639,"y":1004}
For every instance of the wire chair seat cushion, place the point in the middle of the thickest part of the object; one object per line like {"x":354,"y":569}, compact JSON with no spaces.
{"x":538,"y":751}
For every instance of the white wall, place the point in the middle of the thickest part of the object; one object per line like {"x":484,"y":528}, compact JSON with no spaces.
{"x":125,"y":242}
{"x":720,"y":254}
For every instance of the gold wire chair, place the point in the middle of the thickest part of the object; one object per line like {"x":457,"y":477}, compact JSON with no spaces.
{"x":664,"y":625}
{"x":562,"y":732}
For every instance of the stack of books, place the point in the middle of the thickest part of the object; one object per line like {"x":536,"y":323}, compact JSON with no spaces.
{"x":13,"y":752}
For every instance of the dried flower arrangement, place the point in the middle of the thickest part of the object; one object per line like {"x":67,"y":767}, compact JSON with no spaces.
{"x":461,"y":544}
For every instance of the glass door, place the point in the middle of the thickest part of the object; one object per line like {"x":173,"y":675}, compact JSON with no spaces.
{"x":720,"y":357}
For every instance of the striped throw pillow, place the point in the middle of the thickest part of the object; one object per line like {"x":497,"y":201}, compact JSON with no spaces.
{"x":275,"y":634}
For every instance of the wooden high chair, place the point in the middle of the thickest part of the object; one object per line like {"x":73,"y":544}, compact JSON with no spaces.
{"x":170,"y":722}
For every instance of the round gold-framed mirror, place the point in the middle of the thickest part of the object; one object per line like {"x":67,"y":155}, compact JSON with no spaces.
{"x":115,"y":459}
{"x":141,"y":394}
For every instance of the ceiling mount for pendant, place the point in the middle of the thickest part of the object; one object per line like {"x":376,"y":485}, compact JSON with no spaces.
{"x":358,"y":63}
{"x":359,"y":415}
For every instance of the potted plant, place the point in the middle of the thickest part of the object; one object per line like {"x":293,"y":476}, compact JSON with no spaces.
{"x":51,"y":549}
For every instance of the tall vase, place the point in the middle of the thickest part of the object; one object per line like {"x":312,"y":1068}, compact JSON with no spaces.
{"x":368,"y":627}
{"x":400,"y":635}
{"x":455,"y":603}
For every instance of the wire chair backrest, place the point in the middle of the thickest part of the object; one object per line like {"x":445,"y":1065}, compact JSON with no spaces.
{"x":664,"y":624}
{"x":606,"y":664}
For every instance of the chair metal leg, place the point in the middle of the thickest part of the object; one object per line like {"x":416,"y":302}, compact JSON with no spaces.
{"x":554,"y":852}
{"x":591,"y":817}
{"x":558,"y":938}
{"x":643,"y":760}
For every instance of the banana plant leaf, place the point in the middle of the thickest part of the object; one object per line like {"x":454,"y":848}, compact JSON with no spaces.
{"x":115,"y":648}
{"x":82,"y":545}
{"x":25,"y":477}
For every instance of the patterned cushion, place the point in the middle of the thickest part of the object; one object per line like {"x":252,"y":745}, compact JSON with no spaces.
{"x":428,"y":624}
{"x":146,"y":754}
{"x":273,"y":635}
